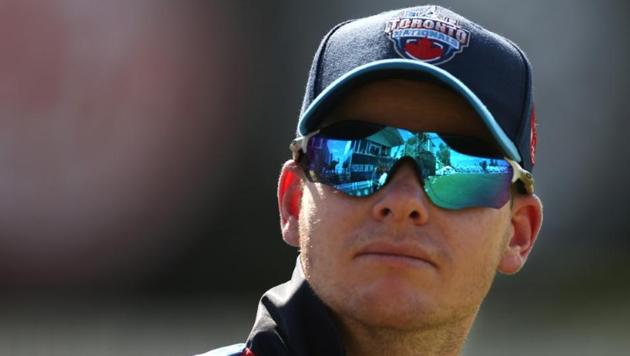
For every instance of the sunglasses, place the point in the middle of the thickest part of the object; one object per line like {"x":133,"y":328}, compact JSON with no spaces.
{"x":456,"y":172}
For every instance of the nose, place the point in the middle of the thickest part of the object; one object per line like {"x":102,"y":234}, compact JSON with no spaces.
{"x":402,"y":198}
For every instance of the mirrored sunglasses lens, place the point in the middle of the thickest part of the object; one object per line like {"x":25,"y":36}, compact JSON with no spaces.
{"x":356,"y":167}
{"x":452,"y":180}
{"x":465,"y":190}
{"x":470,"y":182}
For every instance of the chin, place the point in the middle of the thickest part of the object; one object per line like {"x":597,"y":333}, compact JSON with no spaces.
{"x":392,"y":316}
{"x":392,"y":304}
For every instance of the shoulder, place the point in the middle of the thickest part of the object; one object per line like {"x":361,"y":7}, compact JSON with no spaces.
{"x":232,"y":350}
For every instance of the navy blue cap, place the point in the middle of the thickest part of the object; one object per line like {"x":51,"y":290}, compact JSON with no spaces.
{"x":488,"y":70}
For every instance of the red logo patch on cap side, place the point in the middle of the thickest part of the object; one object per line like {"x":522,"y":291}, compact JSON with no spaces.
{"x":427,"y":36}
{"x":533,"y":137}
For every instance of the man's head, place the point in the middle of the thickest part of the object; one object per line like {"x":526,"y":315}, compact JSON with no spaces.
{"x":412,"y":196}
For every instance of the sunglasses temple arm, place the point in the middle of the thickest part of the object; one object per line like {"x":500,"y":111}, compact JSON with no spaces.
{"x":524,"y":176}
{"x":300,"y":144}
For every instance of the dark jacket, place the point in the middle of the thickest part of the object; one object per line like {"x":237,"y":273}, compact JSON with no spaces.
{"x":291,"y":320}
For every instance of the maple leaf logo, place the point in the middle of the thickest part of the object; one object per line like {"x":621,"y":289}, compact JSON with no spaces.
{"x":423,"y":49}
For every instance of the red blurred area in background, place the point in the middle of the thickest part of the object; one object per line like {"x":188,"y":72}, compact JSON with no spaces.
{"x":112,"y":115}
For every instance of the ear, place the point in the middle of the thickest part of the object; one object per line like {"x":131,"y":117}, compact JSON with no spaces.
{"x":526,"y":219}
{"x":289,"y":197}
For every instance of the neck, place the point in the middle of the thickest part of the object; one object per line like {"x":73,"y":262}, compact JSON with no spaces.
{"x":440,"y":340}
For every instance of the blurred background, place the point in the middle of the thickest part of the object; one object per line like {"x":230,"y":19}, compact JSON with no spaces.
{"x":140,"y":143}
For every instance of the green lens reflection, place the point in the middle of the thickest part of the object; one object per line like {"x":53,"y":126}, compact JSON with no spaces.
{"x":451,"y":179}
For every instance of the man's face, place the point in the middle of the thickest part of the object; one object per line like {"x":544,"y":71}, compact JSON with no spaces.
{"x":394,"y":259}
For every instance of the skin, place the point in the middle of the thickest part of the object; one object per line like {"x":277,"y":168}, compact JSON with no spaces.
{"x":401,"y":275}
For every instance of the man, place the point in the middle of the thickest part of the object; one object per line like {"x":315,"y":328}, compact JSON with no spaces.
{"x":409,"y":188}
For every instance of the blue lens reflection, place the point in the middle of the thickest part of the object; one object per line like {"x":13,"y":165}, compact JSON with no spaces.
{"x":451,"y":179}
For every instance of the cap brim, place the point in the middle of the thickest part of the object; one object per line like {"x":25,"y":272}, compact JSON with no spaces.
{"x":308,"y":120}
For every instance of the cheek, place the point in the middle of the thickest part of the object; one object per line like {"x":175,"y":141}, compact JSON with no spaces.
{"x":325,"y":211}
{"x":326,"y":227}
{"x":315,"y":239}
{"x":477,"y":243}
{"x":478,"y":229}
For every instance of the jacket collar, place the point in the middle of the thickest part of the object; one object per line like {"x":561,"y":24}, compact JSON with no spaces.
{"x":292,"y":320}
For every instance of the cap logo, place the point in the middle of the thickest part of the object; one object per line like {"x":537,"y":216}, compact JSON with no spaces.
{"x":427,"y":36}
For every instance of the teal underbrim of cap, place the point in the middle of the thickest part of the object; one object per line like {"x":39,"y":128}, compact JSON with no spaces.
{"x":508,"y":147}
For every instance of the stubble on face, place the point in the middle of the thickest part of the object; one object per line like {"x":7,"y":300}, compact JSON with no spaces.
{"x":326,"y":250}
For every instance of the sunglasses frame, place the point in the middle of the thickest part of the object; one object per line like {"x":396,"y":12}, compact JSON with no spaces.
{"x":299,"y":144}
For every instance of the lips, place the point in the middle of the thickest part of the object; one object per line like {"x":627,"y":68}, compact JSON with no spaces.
{"x":404,"y":253}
